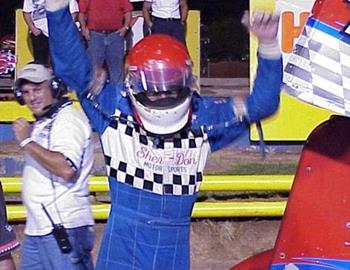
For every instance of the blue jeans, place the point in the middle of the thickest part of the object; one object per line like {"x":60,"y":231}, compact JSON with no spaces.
{"x":43,"y":253}
{"x":109,"y":48}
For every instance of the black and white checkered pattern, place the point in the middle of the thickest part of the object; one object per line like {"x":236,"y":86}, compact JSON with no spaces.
{"x":137,"y":158}
{"x":318,"y":71}
{"x":179,"y":185}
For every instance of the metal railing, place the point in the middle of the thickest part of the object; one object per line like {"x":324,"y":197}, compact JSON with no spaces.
{"x":206,"y":209}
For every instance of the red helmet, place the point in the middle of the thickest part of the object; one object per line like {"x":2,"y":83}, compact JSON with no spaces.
{"x":156,"y":65}
{"x":159,"y":61}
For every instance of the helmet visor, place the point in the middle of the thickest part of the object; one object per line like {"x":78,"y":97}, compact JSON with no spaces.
{"x":156,"y":80}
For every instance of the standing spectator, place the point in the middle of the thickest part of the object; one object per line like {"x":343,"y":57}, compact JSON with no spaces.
{"x":8,"y":241}
{"x":58,"y":148}
{"x":156,"y":139}
{"x":34,"y":14}
{"x":168,"y":17}
{"x":104,"y":25}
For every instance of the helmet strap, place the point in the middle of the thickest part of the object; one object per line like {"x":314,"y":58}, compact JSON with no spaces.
{"x":137,"y":117}
{"x":189,"y":120}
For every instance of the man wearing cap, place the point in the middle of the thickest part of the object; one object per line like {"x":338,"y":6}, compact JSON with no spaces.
{"x":58,"y":152}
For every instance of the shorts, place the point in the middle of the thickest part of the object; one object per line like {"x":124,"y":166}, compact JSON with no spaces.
{"x":8,"y":240}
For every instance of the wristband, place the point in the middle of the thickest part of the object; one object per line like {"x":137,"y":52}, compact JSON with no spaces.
{"x":269,"y":50}
{"x":25,"y":142}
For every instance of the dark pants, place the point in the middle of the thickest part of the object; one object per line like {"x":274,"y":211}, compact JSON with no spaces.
{"x":172,"y":28}
{"x":40,"y":49}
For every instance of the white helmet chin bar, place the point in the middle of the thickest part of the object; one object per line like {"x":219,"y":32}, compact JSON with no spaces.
{"x":166,"y":121}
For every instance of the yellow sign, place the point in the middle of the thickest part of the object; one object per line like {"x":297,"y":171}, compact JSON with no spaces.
{"x":295,"y":119}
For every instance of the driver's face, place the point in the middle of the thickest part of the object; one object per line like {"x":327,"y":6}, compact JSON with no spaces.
{"x":152,"y":96}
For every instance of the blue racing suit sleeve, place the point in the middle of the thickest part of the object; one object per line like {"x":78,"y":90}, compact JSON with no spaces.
{"x":71,"y":64}
{"x":67,"y":51}
{"x":218,"y":116}
{"x":264,"y":98}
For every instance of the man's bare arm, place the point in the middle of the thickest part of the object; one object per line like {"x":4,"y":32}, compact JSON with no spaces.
{"x":146,"y":9}
{"x":183,"y":10}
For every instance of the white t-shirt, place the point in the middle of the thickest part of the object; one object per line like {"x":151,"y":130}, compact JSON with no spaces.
{"x":38,"y":12}
{"x":69,"y":133}
{"x":165,"y":8}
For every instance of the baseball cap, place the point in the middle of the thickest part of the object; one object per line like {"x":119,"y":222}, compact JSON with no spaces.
{"x":35,"y":73}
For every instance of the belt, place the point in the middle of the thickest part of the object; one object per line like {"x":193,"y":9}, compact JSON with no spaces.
{"x":166,"y":19}
{"x":106,"y":32}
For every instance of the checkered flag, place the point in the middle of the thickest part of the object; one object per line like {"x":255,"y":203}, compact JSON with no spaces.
{"x":318,"y":70}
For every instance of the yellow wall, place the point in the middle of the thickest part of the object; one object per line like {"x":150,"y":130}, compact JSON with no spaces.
{"x":193,"y":39}
{"x":23,"y":41}
{"x":295,"y":119}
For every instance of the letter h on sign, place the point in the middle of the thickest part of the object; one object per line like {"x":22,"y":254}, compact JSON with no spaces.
{"x":290,"y":31}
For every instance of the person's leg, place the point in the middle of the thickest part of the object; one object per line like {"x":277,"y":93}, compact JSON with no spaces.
{"x":47,"y":255}
{"x":172,"y":28}
{"x":139,"y":241}
{"x":115,"y":52}
{"x":158,"y":27}
{"x":40,"y":49}
{"x":30,"y":259}
{"x":114,"y":251}
{"x":177,"y":30}
{"x":115,"y":58}
{"x":96,"y":48}
{"x":82,"y":241}
{"x":7,"y":263}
